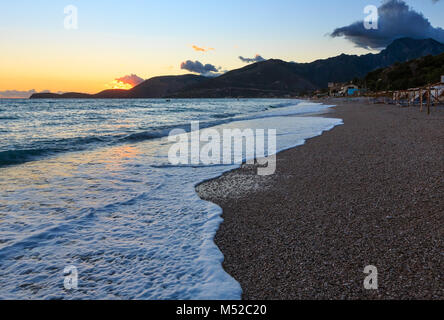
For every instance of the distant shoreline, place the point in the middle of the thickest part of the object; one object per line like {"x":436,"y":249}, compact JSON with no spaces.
{"x":366,"y":193}
{"x":200,"y":98}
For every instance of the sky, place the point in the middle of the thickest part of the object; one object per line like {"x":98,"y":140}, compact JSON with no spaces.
{"x":117,"y":44}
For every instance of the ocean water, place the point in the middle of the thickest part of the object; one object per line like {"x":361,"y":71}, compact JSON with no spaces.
{"x":87,"y":183}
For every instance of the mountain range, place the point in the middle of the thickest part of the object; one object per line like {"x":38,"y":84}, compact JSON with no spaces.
{"x":270,"y":78}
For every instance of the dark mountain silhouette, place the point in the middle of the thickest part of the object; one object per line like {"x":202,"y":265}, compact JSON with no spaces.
{"x":160,"y":87}
{"x":111,"y":94}
{"x":272,"y":78}
{"x":276,"y":78}
{"x":267,"y":78}
{"x":345,"y":68}
{"x":67,"y":95}
{"x":157,"y":87}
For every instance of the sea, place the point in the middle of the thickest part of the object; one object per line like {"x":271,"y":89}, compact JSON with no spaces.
{"x":91,"y":206}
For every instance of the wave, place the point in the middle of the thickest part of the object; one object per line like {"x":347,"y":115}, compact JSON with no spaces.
{"x":223,"y":115}
{"x":184,"y":262}
{"x":47,"y":148}
{"x":164,"y":131}
{"x":9,"y":118}
{"x":11,"y":157}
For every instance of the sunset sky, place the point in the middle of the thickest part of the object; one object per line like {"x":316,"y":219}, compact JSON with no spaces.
{"x":115,"y":39}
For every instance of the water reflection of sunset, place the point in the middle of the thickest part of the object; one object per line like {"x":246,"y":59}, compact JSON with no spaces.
{"x":116,"y":156}
{"x":125,"y":152}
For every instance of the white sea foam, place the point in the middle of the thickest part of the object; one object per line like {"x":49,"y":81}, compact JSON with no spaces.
{"x":129,"y":221}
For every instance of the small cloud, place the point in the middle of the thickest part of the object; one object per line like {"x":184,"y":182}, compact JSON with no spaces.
{"x":207,"y":70}
{"x":125,"y":83}
{"x":17,"y":94}
{"x":257,"y":58}
{"x":201,"y":49}
{"x":396,"y":20}
{"x":131,"y":79}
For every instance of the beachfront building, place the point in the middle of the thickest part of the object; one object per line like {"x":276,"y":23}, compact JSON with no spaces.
{"x":350,"y":90}
{"x":343,"y":90}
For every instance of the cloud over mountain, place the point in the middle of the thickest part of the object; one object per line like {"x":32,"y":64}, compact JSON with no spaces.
{"x":396,"y":20}
{"x":131,"y":79}
{"x":200,"y":68}
{"x":257,"y":58}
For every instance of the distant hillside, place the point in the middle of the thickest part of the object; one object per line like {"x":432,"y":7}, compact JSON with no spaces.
{"x":345,"y":68}
{"x":276,"y":78}
{"x":411,"y":74}
{"x":160,"y":87}
{"x":157,"y":87}
{"x":111,"y":94}
{"x":267,"y":78}
{"x":106,"y":94}
{"x":272,"y":78}
{"x":68,"y":95}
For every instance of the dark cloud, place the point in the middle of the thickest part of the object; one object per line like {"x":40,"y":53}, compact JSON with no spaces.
{"x":198,"y":67}
{"x":257,"y":58}
{"x":396,"y":20}
{"x":131,"y":79}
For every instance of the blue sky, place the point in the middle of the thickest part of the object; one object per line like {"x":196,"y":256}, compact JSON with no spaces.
{"x":150,"y":38}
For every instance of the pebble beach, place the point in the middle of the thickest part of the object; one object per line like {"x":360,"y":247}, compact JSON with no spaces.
{"x":370,"y":192}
